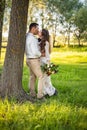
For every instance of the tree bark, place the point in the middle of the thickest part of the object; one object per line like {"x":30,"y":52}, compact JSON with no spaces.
{"x":68,"y":35}
{"x":54,"y":36}
{"x":68,"y":39}
{"x":11,"y":78}
{"x":2,"y":8}
{"x":79,"y":37}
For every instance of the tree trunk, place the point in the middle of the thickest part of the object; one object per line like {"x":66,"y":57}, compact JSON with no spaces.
{"x":11,"y":79}
{"x":2,"y":8}
{"x":54,"y":40}
{"x":68,"y":36}
{"x":79,"y":39}
{"x":68,"y":39}
{"x":54,"y":36}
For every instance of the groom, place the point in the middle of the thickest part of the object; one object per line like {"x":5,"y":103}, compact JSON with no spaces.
{"x":33,"y":60}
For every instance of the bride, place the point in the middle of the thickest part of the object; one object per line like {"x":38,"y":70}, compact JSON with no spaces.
{"x":45,"y":48}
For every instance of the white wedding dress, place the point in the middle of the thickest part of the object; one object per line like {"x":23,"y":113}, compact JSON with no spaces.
{"x":48,"y":88}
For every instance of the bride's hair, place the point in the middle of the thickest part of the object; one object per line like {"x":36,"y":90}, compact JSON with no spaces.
{"x":45,"y":37}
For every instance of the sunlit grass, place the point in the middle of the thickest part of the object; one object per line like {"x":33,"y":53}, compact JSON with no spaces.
{"x":42,"y":116}
{"x":66,"y":111}
{"x":69,"y":57}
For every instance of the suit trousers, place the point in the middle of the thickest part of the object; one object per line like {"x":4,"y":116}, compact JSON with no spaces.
{"x":35,"y":72}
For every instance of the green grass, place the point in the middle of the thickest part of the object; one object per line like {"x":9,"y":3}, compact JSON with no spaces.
{"x":50,"y":115}
{"x":66,"y":111}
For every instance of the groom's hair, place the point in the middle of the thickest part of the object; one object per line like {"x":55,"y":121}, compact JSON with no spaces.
{"x":32,"y":25}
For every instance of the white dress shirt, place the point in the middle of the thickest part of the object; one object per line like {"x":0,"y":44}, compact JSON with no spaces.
{"x":31,"y":47}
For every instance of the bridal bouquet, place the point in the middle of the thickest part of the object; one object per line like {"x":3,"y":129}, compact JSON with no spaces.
{"x":50,"y":68}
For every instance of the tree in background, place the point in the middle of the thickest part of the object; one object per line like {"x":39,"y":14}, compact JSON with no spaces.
{"x":67,"y":8}
{"x":11,"y":78}
{"x":37,"y":12}
{"x":81,"y":24}
{"x":2,"y":8}
{"x":6,"y":19}
{"x":56,"y":16}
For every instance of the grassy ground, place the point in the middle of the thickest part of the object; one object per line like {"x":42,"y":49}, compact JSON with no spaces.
{"x":66,"y":111}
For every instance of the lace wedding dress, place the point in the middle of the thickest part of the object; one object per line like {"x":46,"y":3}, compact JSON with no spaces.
{"x":48,"y":88}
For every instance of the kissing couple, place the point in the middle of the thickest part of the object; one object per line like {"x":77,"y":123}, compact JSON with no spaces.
{"x":38,"y":53}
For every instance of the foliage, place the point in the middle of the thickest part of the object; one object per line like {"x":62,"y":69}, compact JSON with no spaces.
{"x":81,"y":21}
{"x":55,"y":15}
{"x":65,"y":7}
